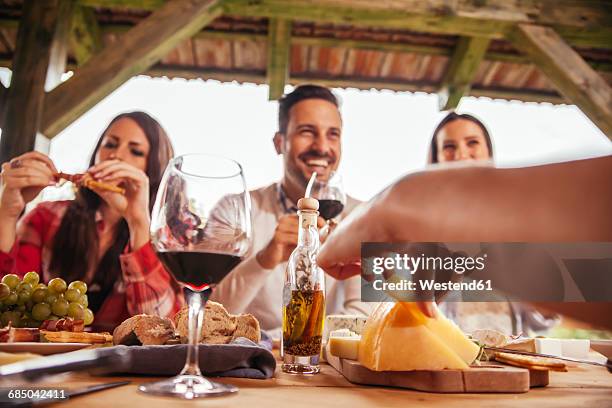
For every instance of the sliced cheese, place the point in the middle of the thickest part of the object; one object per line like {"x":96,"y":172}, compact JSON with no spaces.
{"x":399,"y":337}
{"x":345,"y":347}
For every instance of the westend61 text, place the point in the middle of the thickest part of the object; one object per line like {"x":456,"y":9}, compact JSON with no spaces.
{"x":430,"y":284}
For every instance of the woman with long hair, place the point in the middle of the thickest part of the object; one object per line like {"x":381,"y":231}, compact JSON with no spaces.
{"x":101,"y":237}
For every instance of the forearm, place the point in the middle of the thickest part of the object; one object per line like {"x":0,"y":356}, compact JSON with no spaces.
{"x":561,"y":202}
{"x":139,"y":232}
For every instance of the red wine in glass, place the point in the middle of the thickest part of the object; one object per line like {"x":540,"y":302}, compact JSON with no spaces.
{"x":330,"y":209}
{"x":198,"y":271}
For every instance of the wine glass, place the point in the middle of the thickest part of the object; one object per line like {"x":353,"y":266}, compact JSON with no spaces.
{"x":332,"y":198}
{"x":200,"y":228}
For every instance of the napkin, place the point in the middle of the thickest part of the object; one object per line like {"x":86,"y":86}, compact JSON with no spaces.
{"x":240,"y":358}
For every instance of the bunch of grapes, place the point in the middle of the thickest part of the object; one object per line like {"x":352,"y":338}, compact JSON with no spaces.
{"x":27,"y":302}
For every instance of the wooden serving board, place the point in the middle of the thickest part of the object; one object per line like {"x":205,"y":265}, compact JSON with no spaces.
{"x":492,"y":378}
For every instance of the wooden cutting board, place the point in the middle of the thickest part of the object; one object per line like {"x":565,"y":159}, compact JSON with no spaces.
{"x":492,"y":378}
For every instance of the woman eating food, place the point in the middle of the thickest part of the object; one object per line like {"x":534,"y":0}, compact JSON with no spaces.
{"x":102,"y":236}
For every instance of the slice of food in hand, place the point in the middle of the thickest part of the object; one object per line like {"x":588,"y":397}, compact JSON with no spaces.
{"x":399,"y":337}
{"x":144,"y":330}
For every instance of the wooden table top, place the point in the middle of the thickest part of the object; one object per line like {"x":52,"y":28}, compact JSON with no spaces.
{"x":587,"y":386}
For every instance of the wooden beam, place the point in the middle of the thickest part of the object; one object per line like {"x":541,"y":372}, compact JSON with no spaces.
{"x":461,"y":70}
{"x":86,"y":38}
{"x":581,"y":23}
{"x":135,"y":51}
{"x":39,"y":32}
{"x":279,"y":50}
{"x":3,"y":92}
{"x":330,"y":42}
{"x":572,"y":77}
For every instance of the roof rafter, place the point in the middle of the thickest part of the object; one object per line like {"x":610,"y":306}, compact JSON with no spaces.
{"x":570,"y":74}
{"x":279,"y":50}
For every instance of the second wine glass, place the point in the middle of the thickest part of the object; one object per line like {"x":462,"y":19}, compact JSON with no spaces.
{"x":331,"y":196}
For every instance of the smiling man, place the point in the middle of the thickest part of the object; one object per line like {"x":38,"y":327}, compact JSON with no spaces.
{"x":309,"y":138}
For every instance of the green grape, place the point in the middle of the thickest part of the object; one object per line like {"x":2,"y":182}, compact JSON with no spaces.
{"x":53,"y":317}
{"x":76,"y":311}
{"x":60,"y":307}
{"x":29,"y":304}
{"x":32,"y":278}
{"x":11,"y":280}
{"x":13,"y":317}
{"x":88,"y":318}
{"x":40,"y":286}
{"x":23,"y":297}
{"x":84,"y":301}
{"x":11,"y":299}
{"x":24,"y":286}
{"x":41,"y":311}
{"x":78,"y":285}
{"x":21,"y":308}
{"x":72,"y":295}
{"x":51,"y":297}
{"x":58,"y":285}
{"x":39,"y":295}
{"x":4,"y":290}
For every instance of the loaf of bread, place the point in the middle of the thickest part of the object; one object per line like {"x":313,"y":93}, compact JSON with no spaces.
{"x":144,"y":330}
{"x":219,"y":326}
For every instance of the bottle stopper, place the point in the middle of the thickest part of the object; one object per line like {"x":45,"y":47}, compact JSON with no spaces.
{"x":308,"y":204}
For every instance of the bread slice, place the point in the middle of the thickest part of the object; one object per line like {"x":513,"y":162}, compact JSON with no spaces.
{"x":144,"y":330}
{"x":219,"y":326}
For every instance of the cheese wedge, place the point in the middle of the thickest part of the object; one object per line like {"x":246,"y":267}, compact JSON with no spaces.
{"x":345,"y":347}
{"x":399,"y":337}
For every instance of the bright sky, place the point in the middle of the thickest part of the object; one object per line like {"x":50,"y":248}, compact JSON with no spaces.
{"x":386,"y":134}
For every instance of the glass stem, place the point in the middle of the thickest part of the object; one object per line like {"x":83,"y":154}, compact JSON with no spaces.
{"x":197,"y":301}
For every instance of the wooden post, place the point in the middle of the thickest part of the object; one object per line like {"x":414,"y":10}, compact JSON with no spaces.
{"x":279,"y":49}
{"x":85,"y":38}
{"x":136,"y":51}
{"x":39,"y":58}
{"x":570,"y":74}
{"x":3,"y":92}
{"x":461,"y":70}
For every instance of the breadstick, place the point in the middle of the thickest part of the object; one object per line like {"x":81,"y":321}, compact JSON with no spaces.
{"x":86,"y":181}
